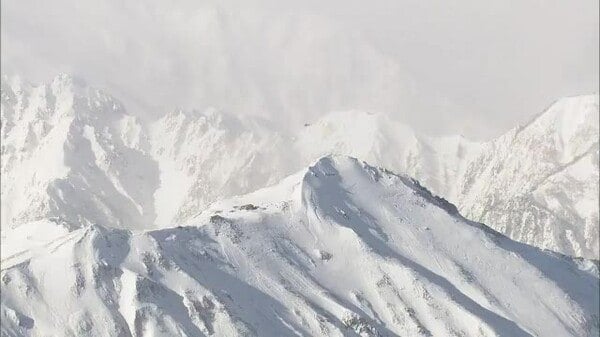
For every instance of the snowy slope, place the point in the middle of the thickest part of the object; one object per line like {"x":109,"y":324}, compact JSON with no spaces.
{"x":71,"y":153}
{"x":210,"y":155}
{"x":437,"y":162}
{"x":283,"y":261}
{"x":538,"y":183}
{"x":74,"y":154}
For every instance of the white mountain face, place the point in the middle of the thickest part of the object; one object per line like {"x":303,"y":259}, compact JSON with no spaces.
{"x":283,"y":261}
{"x":436,"y":161}
{"x":205,"y":156}
{"x":537,"y":184}
{"x":71,"y":154}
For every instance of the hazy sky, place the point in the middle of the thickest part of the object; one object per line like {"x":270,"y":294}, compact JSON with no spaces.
{"x":472,"y":67}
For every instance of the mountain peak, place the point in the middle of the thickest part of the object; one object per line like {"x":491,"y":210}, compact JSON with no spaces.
{"x":273,"y":263}
{"x":189,"y":159}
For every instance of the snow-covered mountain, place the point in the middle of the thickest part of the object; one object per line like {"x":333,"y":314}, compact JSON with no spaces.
{"x":284,"y":261}
{"x":67,"y":147}
{"x":539,"y":182}
{"x":436,"y":161}
{"x":71,"y":153}
{"x":206,"y":156}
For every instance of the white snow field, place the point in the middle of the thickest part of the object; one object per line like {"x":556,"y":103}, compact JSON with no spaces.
{"x":339,"y":249}
{"x":73,"y":155}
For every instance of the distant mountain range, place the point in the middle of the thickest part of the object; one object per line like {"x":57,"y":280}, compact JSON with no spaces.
{"x":213,"y":224}
{"x":74,"y":154}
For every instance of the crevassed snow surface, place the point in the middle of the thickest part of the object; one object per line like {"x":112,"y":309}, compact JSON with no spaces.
{"x":339,"y":249}
{"x":537,"y":184}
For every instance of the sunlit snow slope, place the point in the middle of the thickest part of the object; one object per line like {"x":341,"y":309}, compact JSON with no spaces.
{"x":539,"y":182}
{"x":71,"y":153}
{"x":74,"y":155}
{"x":340,"y":249}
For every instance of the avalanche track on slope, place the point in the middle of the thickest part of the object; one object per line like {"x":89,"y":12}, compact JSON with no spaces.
{"x":284,"y":261}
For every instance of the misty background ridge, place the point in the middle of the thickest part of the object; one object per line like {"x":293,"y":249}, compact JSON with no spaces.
{"x":472,"y":68}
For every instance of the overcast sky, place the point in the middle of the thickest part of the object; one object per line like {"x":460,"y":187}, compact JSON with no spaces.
{"x":471,"y":67}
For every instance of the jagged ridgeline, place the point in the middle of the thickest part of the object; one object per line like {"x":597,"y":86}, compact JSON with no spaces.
{"x":74,"y":154}
{"x":341,"y":248}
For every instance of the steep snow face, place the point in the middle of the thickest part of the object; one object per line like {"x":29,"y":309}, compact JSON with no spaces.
{"x":282,"y":261}
{"x":539,"y":183}
{"x":70,"y":153}
{"x":435,"y":161}
{"x":211,"y":155}
{"x":73,"y":154}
